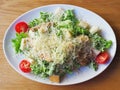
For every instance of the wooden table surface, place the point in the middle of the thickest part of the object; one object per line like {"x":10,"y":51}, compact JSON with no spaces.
{"x":108,"y":80}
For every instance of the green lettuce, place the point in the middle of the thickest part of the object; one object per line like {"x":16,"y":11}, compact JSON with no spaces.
{"x":17,"y":41}
{"x":44,"y":17}
{"x":100,"y":43}
{"x":42,"y":68}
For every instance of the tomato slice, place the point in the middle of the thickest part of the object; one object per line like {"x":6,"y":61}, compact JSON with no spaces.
{"x":102,"y":58}
{"x":21,"y":27}
{"x":25,"y":66}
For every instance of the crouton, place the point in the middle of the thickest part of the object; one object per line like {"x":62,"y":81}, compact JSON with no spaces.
{"x":94,"y":29}
{"x":84,"y":24}
{"x":55,"y":78}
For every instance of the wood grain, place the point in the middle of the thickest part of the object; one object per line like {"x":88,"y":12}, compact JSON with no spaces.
{"x":11,"y":80}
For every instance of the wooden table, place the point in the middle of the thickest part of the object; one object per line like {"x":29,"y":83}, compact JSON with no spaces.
{"x":11,"y":80}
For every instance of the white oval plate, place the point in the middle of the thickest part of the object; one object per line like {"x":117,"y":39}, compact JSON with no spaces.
{"x":84,"y":73}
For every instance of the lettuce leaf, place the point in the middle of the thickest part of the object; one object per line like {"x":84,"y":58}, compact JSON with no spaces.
{"x":44,"y":17}
{"x":100,"y":43}
{"x":17,"y":41}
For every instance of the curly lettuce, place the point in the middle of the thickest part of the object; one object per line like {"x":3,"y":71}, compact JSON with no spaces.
{"x":17,"y":41}
{"x":100,"y":43}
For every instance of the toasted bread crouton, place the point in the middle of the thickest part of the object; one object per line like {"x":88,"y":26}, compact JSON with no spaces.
{"x":84,"y":24}
{"x":55,"y":78}
{"x":24,"y":42}
{"x":44,"y":27}
{"x":94,"y":29}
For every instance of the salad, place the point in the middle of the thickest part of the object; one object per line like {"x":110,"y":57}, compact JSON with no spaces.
{"x":56,"y":44}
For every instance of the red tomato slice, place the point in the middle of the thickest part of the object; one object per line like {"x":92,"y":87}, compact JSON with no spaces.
{"x":25,"y":66}
{"x":102,"y":58}
{"x":21,"y":27}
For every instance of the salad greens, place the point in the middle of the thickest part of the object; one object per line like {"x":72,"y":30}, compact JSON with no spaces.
{"x":94,"y":65}
{"x":100,"y":43}
{"x":17,"y":41}
{"x":42,"y":68}
{"x":67,"y":21}
{"x":69,"y":15}
{"x":70,"y":22}
{"x":34,"y":23}
{"x":44,"y":17}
